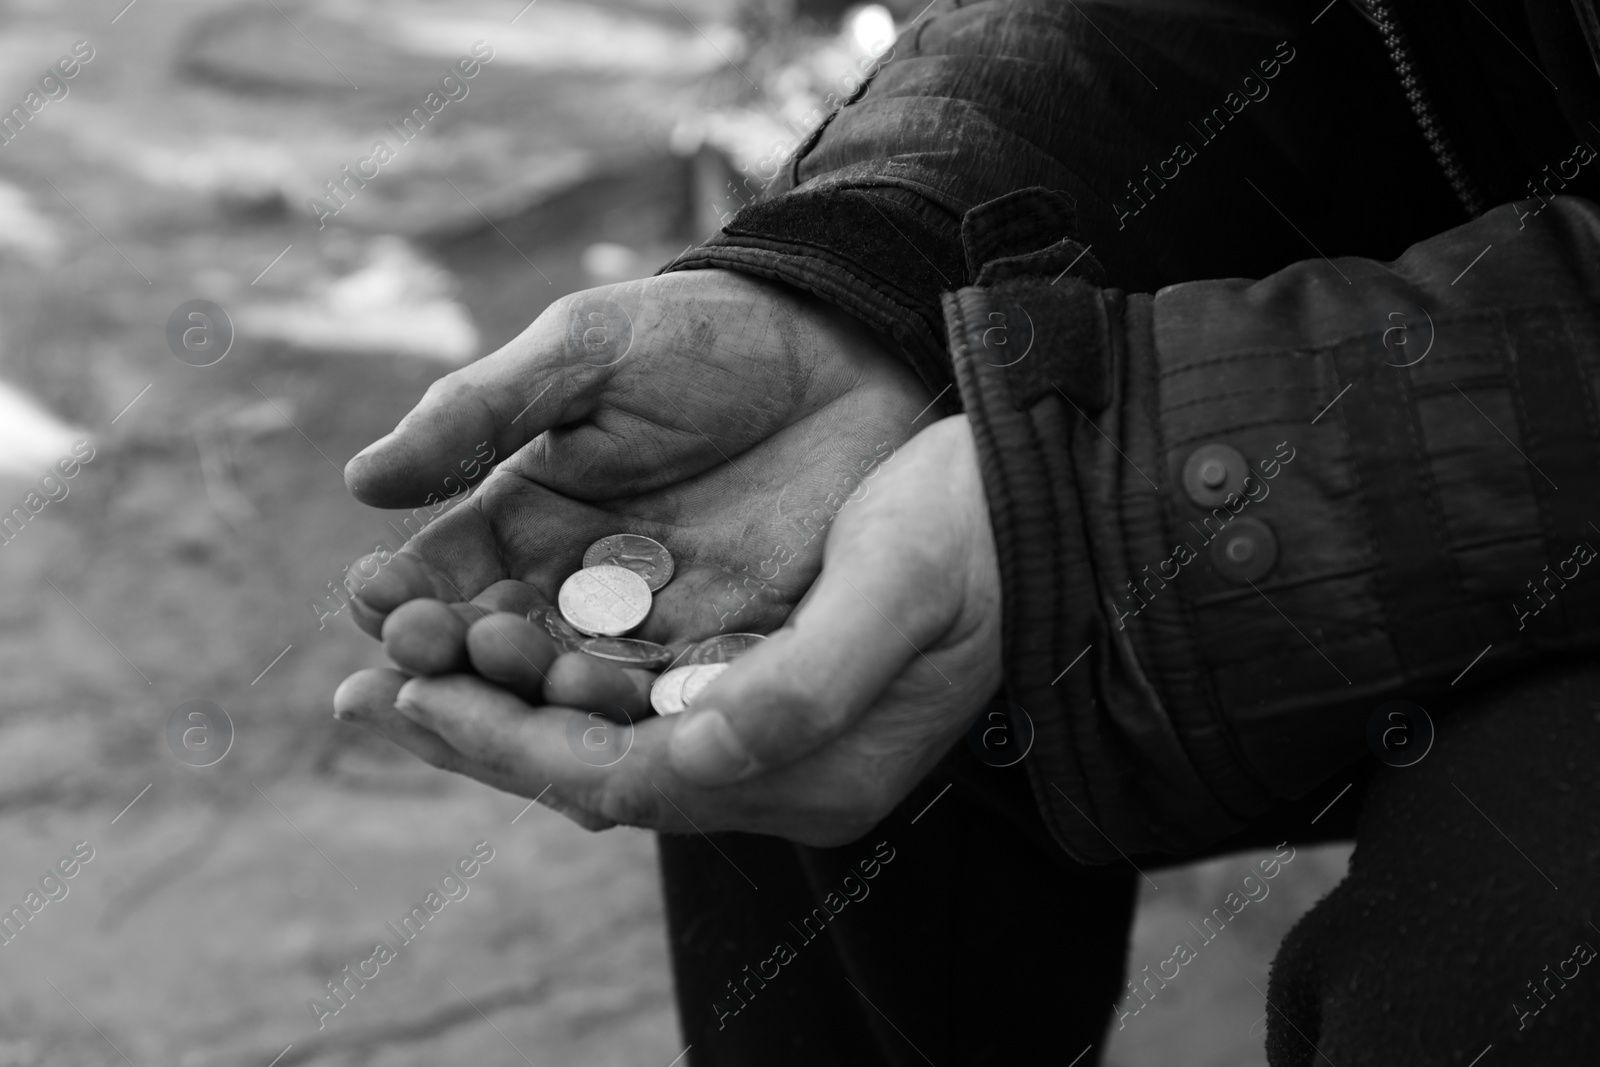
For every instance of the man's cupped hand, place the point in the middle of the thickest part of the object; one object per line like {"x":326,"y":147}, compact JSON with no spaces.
{"x":733,"y":420}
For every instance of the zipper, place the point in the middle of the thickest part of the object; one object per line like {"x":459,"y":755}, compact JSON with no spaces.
{"x":1589,"y":23}
{"x":1394,"y":39}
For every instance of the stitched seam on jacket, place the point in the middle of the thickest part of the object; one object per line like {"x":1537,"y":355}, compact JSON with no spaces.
{"x":1199,"y":667}
{"x":1322,"y":347}
{"x":1259,"y":390}
{"x":1528,"y":430}
{"x":1437,"y":526}
{"x":855,"y":177}
{"x":788,"y":271}
{"x":1070,"y":725}
{"x":1369,"y":537}
{"x":787,"y":246}
{"x":1057,"y":732}
{"x":1580,"y":363}
{"x":1226,"y":429}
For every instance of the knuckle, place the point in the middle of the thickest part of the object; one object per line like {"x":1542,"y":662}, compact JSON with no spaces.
{"x":560,"y":309}
{"x":440,"y":389}
{"x":813,"y":717}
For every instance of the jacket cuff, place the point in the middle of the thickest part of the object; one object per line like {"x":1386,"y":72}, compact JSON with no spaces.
{"x":1234,"y":518}
{"x":884,"y":248}
{"x":1043,"y":372}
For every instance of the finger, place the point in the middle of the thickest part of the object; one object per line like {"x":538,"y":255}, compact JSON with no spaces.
{"x":367,"y":698}
{"x":511,"y":595}
{"x":381,"y":581}
{"x":368,"y":620}
{"x":384,"y":585}
{"x":510,"y":651}
{"x":583,"y":817}
{"x":485,"y":723}
{"x":426,"y":637}
{"x":468,"y":611}
{"x":540,"y":745}
{"x":783,"y":700}
{"x":479,"y":415}
{"x":880,"y":599}
{"x":577,"y":680}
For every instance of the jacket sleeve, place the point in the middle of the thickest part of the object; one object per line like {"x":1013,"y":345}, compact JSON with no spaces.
{"x":977,"y":100}
{"x":1261,"y":509}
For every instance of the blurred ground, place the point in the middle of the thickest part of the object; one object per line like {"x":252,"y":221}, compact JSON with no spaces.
{"x":1213,"y":1014}
{"x":183,"y":561}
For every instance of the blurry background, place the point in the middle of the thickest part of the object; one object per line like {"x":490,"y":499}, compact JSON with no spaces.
{"x":602,"y":138}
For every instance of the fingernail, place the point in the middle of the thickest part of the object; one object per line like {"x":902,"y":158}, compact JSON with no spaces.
{"x":405,"y":701}
{"x":373,"y":447}
{"x":705,"y":749}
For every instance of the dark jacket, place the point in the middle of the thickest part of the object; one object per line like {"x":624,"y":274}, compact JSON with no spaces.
{"x":1263,"y":507}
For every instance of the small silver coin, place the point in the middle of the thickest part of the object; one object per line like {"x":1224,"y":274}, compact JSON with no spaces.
{"x":628,"y":651}
{"x":723,"y":648}
{"x":666,"y":693}
{"x":604,"y":601}
{"x":566,"y":638}
{"x":647,"y":558}
{"x":703,"y":675}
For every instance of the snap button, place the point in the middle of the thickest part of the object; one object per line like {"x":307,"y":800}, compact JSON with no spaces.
{"x":1244,"y":550}
{"x":1213,"y":472}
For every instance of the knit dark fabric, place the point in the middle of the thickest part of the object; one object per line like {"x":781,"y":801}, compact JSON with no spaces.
{"x":1471,"y":914}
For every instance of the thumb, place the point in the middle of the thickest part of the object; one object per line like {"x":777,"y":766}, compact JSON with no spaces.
{"x":475,"y":417}
{"x":812,"y":680}
{"x":890,"y":587}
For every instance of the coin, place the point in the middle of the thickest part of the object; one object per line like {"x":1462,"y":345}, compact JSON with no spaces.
{"x":566,"y":638}
{"x":604,"y":601}
{"x":703,"y":675}
{"x":723,"y":648}
{"x":628,"y":651}
{"x":666,"y":693}
{"x":647,"y":558}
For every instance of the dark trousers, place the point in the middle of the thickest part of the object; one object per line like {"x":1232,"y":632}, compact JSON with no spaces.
{"x":961,"y":934}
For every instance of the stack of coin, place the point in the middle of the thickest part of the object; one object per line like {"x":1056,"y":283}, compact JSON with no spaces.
{"x":611,"y":596}
{"x":628,"y":652}
{"x":566,"y":638}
